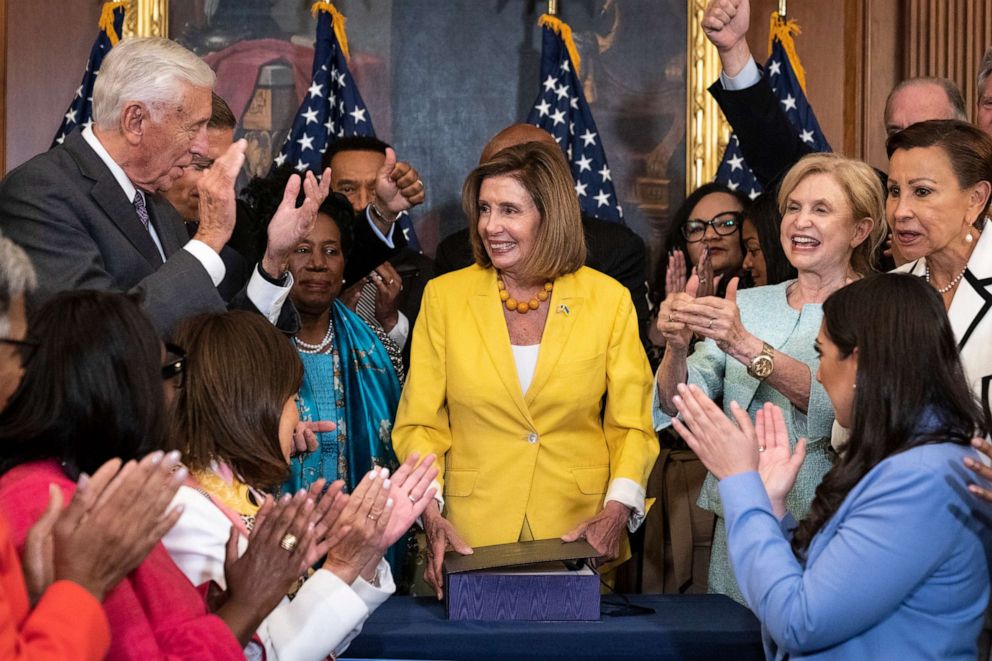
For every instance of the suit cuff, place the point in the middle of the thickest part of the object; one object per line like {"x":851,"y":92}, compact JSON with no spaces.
{"x":210,"y":260}
{"x":401,"y":331}
{"x":376,"y":595}
{"x":267,"y":296}
{"x":631,"y":494}
{"x":387,"y":238}
{"x":747,"y":77}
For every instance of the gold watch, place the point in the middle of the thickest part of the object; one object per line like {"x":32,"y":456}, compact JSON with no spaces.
{"x":763,"y":364}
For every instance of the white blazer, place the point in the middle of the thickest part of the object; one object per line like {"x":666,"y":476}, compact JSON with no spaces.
{"x":971,"y":315}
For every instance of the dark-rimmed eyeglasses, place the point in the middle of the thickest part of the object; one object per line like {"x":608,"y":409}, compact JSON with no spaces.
{"x":25,"y":348}
{"x":176,"y":365}
{"x":723,"y":224}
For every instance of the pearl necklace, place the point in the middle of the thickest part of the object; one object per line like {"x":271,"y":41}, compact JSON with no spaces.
{"x":522,"y":307}
{"x":950,"y":286}
{"x":317,"y":348}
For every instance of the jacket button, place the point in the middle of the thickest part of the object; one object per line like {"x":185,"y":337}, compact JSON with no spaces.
{"x":532,"y":438}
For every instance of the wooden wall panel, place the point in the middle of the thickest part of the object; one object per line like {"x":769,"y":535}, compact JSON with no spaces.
{"x":47,"y":45}
{"x":947,"y":38}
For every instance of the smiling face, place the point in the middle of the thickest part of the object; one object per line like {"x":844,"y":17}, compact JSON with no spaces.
{"x":317,"y":266}
{"x":508,"y":223}
{"x":926,"y":207}
{"x":837,"y":374}
{"x":819,"y":231}
{"x":725,"y":250}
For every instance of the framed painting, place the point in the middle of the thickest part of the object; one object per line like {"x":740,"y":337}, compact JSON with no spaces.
{"x":439,"y":78}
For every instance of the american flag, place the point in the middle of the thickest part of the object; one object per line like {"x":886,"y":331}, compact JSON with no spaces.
{"x":562,"y":111}
{"x":733,"y":170}
{"x":333,"y":107}
{"x":80,"y":112}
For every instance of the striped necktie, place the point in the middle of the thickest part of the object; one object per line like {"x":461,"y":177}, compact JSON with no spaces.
{"x":139,"y":207}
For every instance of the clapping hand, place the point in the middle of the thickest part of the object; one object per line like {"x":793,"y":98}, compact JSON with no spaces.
{"x":113,"y":521}
{"x":356,"y":541}
{"x":980,"y":469}
{"x":676,"y":333}
{"x":778,"y":464}
{"x":716,"y":318}
{"x":218,"y":201}
{"x":724,"y":448}
{"x":411,"y":492}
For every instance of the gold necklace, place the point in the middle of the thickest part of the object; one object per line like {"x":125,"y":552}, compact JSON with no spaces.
{"x":523,"y":307}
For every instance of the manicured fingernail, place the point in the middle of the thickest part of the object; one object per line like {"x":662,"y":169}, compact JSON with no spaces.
{"x":680,"y":387}
{"x":374,"y":474}
{"x":969,"y":462}
{"x":385,"y":483}
{"x":977,"y":442}
{"x":385,"y":472}
{"x":974,"y":489}
{"x":156,"y":456}
{"x":677,"y":399}
{"x":389,"y":503}
{"x":174,"y":457}
{"x":285,"y":498}
{"x":84,"y":478}
{"x":181,"y":474}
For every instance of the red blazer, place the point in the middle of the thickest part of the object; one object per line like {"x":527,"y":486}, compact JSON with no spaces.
{"x":154,"y":613}
{"x":45,"y":633}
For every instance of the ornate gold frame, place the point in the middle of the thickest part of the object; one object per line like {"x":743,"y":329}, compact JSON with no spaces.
{"x":707,"y":131}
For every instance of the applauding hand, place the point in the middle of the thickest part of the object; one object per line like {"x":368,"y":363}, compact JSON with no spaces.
{"x":778,"y":464}
{"x":724,"y":448}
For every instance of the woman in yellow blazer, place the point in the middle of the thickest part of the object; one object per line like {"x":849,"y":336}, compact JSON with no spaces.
{"x":527,"y":375}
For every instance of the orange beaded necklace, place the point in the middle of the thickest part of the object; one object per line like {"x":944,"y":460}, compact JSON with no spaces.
{"x":523,"y":307}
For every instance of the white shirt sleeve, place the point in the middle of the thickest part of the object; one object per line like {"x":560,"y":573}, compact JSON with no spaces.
{"x":746,"y":77}
{"x":267,"y":297}
{"x":627,"y":492}
{"x":401,"y":331}
{"x":211,"y":261}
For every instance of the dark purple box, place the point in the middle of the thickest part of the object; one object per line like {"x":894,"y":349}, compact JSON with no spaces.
{"x":524,"y":581}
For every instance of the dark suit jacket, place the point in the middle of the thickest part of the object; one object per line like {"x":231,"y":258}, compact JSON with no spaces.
{"x":70,"y":215}
{"x":612,"y":249}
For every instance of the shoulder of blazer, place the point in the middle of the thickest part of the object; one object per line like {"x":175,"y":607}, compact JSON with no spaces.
{"x":87,"y":160}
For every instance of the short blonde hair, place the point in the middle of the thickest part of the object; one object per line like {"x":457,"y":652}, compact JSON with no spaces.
{"x":863,"y":191}
{"x":542,"y":170}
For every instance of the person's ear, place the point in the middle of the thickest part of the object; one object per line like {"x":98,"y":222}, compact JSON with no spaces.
{"x":134,"y":120}
{"x":978,"y":199}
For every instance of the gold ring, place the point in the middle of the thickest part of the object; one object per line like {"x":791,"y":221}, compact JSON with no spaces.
{"x":761,"y":448}
{"x":288,"y":542}
{"x":710,"y":325}
{"x":374,"y":518}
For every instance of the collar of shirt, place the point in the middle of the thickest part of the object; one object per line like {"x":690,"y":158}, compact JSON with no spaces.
{"x":129,"y":189}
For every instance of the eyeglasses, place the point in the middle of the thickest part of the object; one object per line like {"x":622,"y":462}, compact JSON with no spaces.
{"x":25,"y":348}
{"x":176,"y":365}
{"x":723,"y":224}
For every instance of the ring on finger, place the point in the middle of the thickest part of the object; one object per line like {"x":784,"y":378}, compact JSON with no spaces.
{"x":761,"y":448}
{"x":288,"y":542}
{"x":372,"y":516}
{"x":710,"y":325}
{"x":412,"y":498}
{"x":391,"y":281}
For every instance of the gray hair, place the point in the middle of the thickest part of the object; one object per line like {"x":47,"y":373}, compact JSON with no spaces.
{"x":954,"y":97}
{"x":17,"y":277}
{"x":146,"y":69}
{"x":984,"y":71}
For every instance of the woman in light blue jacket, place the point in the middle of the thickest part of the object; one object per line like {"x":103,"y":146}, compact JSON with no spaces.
{"x":890,"y":563}
{"x":758,"y":344}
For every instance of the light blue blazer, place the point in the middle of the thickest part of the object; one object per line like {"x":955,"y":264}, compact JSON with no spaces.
{"x":899,"y":572}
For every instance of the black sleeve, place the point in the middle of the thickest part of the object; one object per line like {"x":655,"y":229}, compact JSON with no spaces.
{"x":368,"y":250}
{"x":770,"y":143}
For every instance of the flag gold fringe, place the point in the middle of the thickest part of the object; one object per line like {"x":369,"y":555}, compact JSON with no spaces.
{"x":107,"y":20}
{"x":562,"y":29}
{"x":337,"y":20}
{"x":784,"y":31}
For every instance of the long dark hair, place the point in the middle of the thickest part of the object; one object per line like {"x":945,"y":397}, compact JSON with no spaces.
{"x":675,"y":240}
{"x":240,"y":370}
{"x":899,"y":403}
{"x":763,"y":214}
{"x":92,"y":390}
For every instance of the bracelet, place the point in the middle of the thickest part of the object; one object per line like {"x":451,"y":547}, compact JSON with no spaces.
{"x":378,"y":214}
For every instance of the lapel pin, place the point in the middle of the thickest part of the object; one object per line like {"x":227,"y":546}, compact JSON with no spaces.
{"x":563,"y":309}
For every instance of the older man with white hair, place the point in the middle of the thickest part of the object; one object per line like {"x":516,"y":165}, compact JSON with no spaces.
{"x":89,"y":215}
{"x":17,"y":278}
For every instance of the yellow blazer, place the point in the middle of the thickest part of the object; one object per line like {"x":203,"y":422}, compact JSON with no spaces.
{"x":548,"y":456}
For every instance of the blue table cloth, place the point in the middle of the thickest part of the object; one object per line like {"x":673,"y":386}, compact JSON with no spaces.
{"x":682,"y":627}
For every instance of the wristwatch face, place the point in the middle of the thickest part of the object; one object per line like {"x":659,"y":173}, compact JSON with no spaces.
{"x":761,"y":367}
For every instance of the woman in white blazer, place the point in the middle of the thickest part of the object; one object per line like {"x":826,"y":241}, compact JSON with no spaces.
{"x":940,"y":181}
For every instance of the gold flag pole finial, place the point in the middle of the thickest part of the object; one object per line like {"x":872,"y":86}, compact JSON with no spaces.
{"x":782,"y":8}
{"x":552,"y":7}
